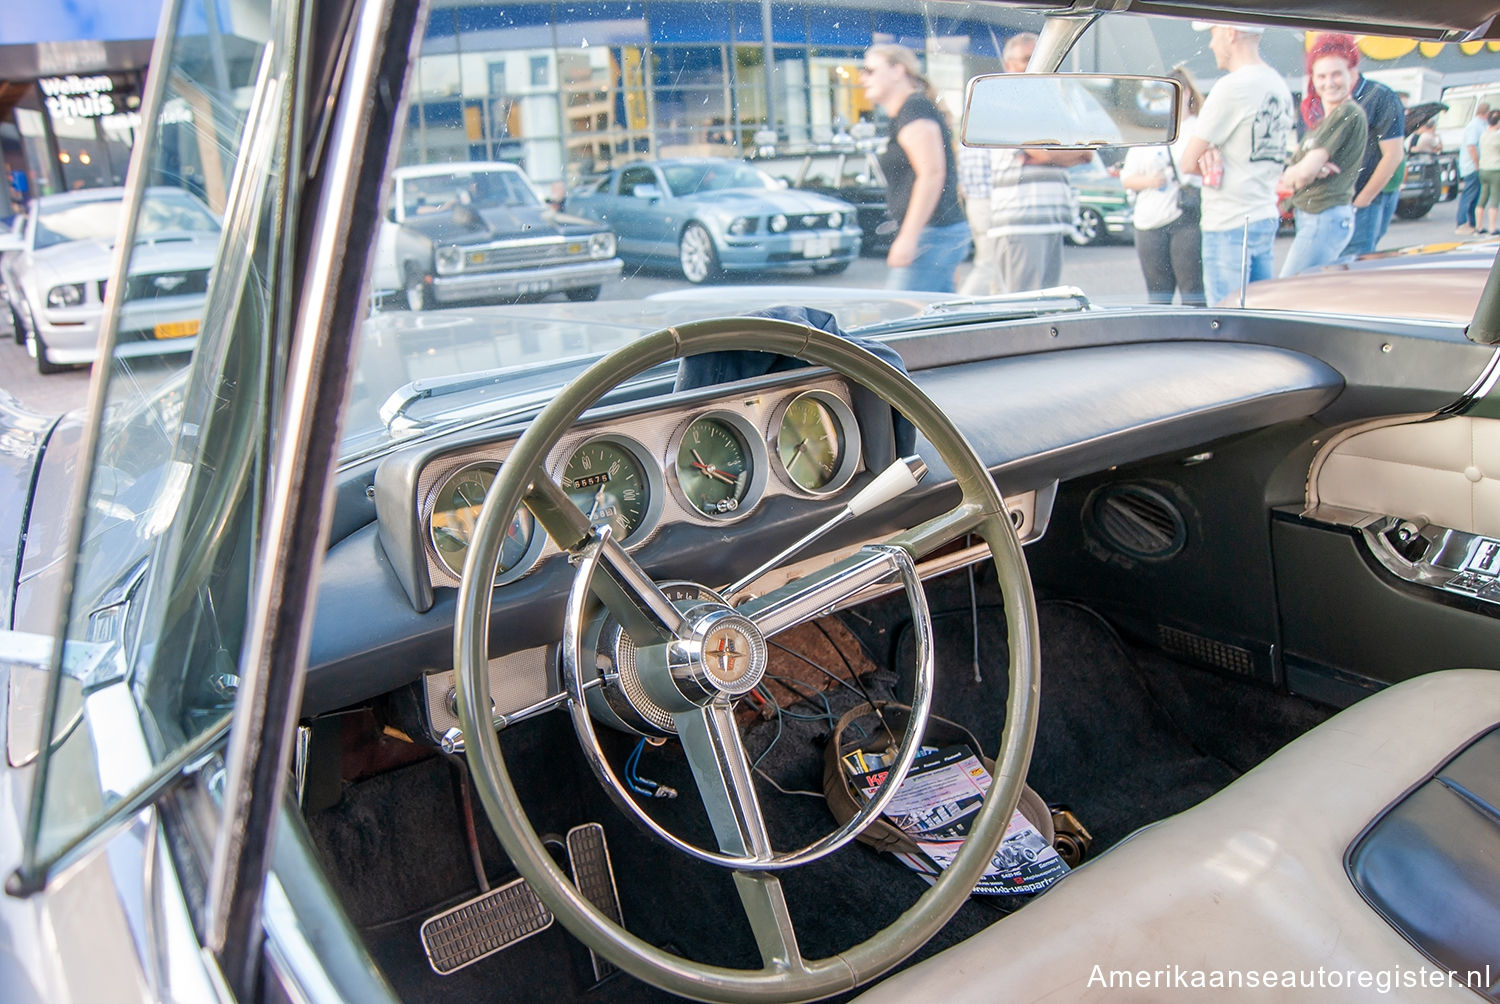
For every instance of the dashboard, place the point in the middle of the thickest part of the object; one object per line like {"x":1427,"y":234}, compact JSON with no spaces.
{"x":384,"y":622}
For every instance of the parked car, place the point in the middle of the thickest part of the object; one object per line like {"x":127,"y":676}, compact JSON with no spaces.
{"x":1430,"y":178}
{"x":57,"y":269}
{"x":713,"y":216}
{"x":851,"y":175}
{"x":1104,"y":208}
{"x":1233,"y":602}
{"x":1437,"y":282}
{"x":480,"y":232}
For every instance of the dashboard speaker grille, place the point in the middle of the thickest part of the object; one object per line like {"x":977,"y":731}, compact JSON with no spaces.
{"x":1137,"y":520}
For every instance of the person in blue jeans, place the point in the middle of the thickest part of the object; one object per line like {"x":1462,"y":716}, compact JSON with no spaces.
{"x":1323,"y":174}
{"x":1239,"y":145}
{"x":921,"y":177}
{"x":1468,"y":170}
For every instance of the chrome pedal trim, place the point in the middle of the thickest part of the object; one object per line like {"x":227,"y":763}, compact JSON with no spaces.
{"x":482,"y":926}
{"x":588,"y":857}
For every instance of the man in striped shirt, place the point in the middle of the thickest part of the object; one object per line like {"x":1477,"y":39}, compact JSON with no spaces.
{"x":1032,"y":204}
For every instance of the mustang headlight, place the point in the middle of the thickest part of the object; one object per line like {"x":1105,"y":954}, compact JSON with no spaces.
{"x":835,"y":220}
{"x":602,"y":245}
{"x":70,"y":295}
{"x":450,"y":259}
{"x":741,"y":226}
{"x":778,"y":223}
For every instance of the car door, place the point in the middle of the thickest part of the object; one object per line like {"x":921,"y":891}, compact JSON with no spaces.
{"x":639,"y":217}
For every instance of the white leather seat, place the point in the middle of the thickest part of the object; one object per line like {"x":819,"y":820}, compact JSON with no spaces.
{"x":1251,"y":879}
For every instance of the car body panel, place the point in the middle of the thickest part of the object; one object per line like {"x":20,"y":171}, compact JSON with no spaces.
{"x":1438,"y":282}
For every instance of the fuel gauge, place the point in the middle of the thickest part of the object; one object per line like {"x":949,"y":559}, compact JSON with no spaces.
{"x":817,"y":442}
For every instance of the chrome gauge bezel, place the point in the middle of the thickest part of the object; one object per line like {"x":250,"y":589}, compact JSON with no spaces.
{"x":755,"y":447}
{"x":849,"y":458}
{"x":651,"y":470}
{"x":528,"y":558}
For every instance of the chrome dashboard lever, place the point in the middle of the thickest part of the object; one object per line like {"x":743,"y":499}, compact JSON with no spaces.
{"x":901,"y":477}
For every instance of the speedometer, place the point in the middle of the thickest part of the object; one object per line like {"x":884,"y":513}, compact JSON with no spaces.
{"x":455,"y":512}
{"x":817,"y":442}
{"x":611,"y":482}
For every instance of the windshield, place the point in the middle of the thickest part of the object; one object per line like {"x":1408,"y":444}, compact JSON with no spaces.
{"x":480,"y":189}
{"x":633,"y":118}
{"x":162,"y":211}
{"x":94,"y":219}
{"x":691,"y":179}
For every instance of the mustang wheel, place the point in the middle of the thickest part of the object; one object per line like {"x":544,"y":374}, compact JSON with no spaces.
{"x":696,"y":254}
{"x":1089,"y":229}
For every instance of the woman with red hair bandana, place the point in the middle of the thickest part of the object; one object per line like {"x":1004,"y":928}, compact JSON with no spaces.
{"x":1325,"y":167}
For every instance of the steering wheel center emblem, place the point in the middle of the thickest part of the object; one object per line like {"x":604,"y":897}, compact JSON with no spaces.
{"x":731,"y":652}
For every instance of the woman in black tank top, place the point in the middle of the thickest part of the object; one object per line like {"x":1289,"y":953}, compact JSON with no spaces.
{"x":921,"y":179}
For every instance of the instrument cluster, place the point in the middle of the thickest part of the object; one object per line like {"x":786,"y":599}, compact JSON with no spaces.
{"x":708,"y":465}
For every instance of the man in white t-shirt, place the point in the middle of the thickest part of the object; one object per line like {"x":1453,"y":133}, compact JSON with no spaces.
{"x":1242,"y":134}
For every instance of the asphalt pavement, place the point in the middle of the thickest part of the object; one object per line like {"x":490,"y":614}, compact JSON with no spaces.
{"x":1108,"y":273}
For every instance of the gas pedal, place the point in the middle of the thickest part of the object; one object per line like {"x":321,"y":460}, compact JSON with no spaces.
{"x":588,"y":855}
{"x":482,"y":926}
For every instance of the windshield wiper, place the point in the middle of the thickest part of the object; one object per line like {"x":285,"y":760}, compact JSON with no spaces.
{"x":1002,"y":306}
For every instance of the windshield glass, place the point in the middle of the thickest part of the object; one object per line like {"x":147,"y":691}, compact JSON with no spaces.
{"x":633,"y":119}
{"x":78,"y":220}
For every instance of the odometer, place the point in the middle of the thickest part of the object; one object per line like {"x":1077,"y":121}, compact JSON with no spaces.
{"x":609,"y":483}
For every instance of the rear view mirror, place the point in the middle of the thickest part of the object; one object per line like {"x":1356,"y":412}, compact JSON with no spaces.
{"x":1070,"y":110}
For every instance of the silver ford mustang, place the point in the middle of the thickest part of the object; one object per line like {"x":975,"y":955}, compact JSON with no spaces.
{"x":57,"y":274}
{"x":600,"y":650}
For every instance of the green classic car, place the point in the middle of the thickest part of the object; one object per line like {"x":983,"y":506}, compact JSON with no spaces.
{"x":1103,"y":205}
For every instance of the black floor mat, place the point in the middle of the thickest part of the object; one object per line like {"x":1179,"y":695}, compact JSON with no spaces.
{"x":1121,"y":744}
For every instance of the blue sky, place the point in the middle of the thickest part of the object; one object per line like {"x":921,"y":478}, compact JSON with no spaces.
{"x":67,"y":20}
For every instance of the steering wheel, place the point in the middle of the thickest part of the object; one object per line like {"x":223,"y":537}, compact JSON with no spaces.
{"x":697,"y":690}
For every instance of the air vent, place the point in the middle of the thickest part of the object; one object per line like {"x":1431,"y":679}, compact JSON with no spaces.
{"x":1196,"y":647}
{"x":1136,"y":520}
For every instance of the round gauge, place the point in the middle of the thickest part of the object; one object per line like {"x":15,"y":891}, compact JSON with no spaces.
{"x":609,"y":482}
{"x":715,"y":466}
{"x":817,"y":442}
{"x":455,"y":511}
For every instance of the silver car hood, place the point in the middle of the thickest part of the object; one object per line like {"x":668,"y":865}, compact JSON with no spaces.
{"x":92,"y":260}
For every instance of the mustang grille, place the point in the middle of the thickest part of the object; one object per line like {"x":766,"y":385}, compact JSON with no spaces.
{"x":806,"y":221}
{"x":148,"y":287}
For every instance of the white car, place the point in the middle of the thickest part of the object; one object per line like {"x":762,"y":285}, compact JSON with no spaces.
{"x":58,"y":265}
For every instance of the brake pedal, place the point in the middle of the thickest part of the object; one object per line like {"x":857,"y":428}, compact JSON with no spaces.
{"x":482,"y":926}
{"x":588,"y":856}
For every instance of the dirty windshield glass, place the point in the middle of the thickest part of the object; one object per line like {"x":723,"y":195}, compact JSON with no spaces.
{"x":698,"y":160}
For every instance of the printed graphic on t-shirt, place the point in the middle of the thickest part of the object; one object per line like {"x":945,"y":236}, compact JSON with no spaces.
{"x":1268,"y":134}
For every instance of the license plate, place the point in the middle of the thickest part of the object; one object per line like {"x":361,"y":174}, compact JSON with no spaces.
{"x":534,"y":286}
{"x":177,"y":329}
{"x":817,"y":247}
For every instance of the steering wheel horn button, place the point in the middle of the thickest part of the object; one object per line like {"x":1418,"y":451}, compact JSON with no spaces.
{"x":726,"y":655}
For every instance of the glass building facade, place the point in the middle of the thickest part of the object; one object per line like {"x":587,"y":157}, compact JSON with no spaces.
{"x":566,"y":90}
